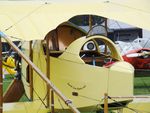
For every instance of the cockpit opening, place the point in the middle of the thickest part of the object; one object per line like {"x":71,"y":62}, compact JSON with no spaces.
{"x":61,"y":37}
{"x":97,"y":53}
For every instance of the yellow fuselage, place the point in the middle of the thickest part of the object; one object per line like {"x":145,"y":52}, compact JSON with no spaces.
{"x":71,"y":74}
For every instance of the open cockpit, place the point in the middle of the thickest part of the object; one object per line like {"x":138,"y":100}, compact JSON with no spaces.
{"x":96,"y":51}
{"x":61,"y":37}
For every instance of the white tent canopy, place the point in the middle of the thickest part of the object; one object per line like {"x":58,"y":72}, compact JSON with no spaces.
{"x":29,"y":20}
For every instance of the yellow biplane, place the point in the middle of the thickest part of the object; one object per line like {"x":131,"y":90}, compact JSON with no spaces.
{"x":65,"y":61}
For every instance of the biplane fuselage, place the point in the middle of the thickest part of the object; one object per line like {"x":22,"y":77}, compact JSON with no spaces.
{"x":83,"y":75}
{"x":79,"y":72}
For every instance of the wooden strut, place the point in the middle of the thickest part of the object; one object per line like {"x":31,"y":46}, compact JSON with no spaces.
{"x":47,"y":70}
{"x":50,"y":95}
{"x":105,"y":103}
{"x":106,"y":34}
{"x":1,"y":78}
{"x":90,"y":22}
{"x":36,"y":69}
{"x":31,"y":71}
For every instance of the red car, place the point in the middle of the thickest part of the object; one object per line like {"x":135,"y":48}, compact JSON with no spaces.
{"x":139,"y":58}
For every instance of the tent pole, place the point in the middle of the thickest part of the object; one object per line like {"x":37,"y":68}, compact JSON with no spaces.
{"x":52,"y":102}
{"x":106,"y":26}
{"x":50,"y":95}
{"x":48,"y":70}
{"x":31,"y":71}
{"x":90,"y":22}
{"x":105,"y":103}
{"x":106,"y":34}
{"x":1,"y":78}
{"x":43,"y":76}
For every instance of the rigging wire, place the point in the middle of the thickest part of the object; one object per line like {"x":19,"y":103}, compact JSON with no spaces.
{"x":118,"y":24}
{"x":140,"y":10}
{"x":132,"y":109}
{"x":146,"y":43}
{"x":29,"y":14}
{"x":98,"y":107}
{"x":61,"y":106}
{"x":13,"y":37}
{"x":89,"y":98}
{"x":42,"y":100}
{"x":121,"y":49}
{"x":131,"y":43}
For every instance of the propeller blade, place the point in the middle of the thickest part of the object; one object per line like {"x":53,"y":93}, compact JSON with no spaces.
{"x":133,"y":55}
{"x":137,"y":54}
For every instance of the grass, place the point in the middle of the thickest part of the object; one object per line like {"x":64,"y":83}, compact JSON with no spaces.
{"x":8,"y":79}
{"x":142,"y":85}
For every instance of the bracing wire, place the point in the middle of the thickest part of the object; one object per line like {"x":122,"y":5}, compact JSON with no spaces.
{"x":89,"y":98}
{"x":132,"y":109}
{"x":146,"y":43}
{"x":61,"y":105}
{"x":37,"y":93}
{"x":97,"y":106}
{"x":118,"y":24}
{"x":42,"y":102}
{"x":128,"y":7}
{"x":29,"y":14}
{"x":13,"y":37}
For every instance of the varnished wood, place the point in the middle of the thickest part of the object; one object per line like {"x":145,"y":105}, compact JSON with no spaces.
{"x":105,"y":103}
{"x":31,"y":71}
{"x":106,"y":34}
{"x":90,"y":22}
{"x":61,"y":37}
{"x":50,"y":95}
{"x":52,"y":102}
{"x":48,"y":70}
{"x":14,"y":91}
